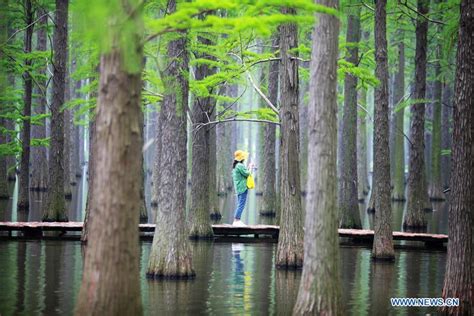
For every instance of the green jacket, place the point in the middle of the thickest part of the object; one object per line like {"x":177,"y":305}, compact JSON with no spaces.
{"x":239,"y":175}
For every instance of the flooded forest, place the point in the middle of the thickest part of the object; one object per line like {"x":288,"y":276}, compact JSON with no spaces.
{"x":236,"y":157}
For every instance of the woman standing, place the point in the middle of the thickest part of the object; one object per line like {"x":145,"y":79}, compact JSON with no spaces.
{"x":240,"y":174}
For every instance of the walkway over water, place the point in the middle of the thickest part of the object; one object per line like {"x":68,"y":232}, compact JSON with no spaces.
{"x":36,"y":229}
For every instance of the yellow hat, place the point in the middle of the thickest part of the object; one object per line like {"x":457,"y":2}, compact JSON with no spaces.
{"x":240,"y":155}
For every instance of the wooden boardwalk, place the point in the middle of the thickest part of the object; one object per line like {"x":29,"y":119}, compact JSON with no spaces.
{"x":36,"y":229}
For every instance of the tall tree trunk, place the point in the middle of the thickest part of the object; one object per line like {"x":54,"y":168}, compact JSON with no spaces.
{"x":56,"y":207}
{"x":383,"y":245}
{"x":213,"y":201}
{"x":459,"y":276}
{"x":91,"y":175}
{"x":436,"y":187}
{"x":446,"y":134}
{"x":319,"y":292}
{"x":67,"y":133}
{"x":202,"y":110}
{"x":39,"y":159}
{"x":398,"y":192}
{"x":170,"y":255}
{"x":4,"y":193}
{"x":156,"y":165}
{"x":290,"y":241}
{"x":76,"y":171}
{"x":415,"y":216}
{"x":268,"y":207}
{"x":24,"y":180}
{"x":143,"y":215}
{"x":347,"y":185}
{"x":109,"y":288}
{"x":362,"y":170}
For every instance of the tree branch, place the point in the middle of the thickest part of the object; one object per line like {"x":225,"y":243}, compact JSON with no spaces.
{"x":405,"y":3}
{"x":201,"y":125}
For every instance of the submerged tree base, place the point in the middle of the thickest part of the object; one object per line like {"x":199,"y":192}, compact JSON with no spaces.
{"x":388,"y":258}
{"x":157,"y":276}
{"x":202,"y":237}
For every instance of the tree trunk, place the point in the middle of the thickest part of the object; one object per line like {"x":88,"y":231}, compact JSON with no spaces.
{"x":436,"y":187}
{"x":170,"y":255}
{"x":109,"y":288}
{"x":24,"y":180}
{"x":319,"y":292}
{"x":213,"y":201}
{"x":459,"y":276}
{"x":446,"y":135}
{"x":362,"y":170}
{"x":56,"y":210}
{"x":202,"y":110}
{"x":268,"y":207}
{"x":415,"y":216}
{"x":143,"y":215}
{"x":38,"y":159}
{"x":4,"y":192}
{"x":290,"y":241}
{"x":67,"y":135}
{"x":398,"y":192}
{"x":91,"y":175}
{"x":156,"y":165}
{"x":383,"y":245}
{"x":347,"y":185}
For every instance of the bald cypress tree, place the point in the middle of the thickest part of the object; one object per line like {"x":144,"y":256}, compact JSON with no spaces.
{"x":415,"y":216}
{"x":290,"y":241}
{"x":319,"y":292}
{"x":170,"y":255}
{"x":347,"y":184}
{"x":383,"y":245}
{"x":55,"y":208}
{"x":459,"y":276}
{"x":24,"y":180}
{"x":110,"y":284}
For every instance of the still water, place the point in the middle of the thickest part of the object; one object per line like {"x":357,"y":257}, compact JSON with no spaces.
{"x":43,"y":277}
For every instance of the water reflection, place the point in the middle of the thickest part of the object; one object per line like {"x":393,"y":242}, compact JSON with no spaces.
{"x":43,"y":277}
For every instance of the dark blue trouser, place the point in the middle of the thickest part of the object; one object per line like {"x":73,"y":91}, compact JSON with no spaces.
{"x":241,"y":198}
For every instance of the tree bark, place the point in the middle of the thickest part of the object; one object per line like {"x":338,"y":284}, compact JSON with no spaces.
{"x":4,"y":192}
{"x":415,"y":217}
{"x":24,"y":179}
{"x":143,"y":214}
{"x":268,"y":207}
{"x":202,"y":110}
{"x":290,"y":241}
{"x":109,"y":288}
{"x":398,"y":192}
{"x":39,"y":159}
{"x":446,"y":135}
{"x":436,"y":187}
{"x":67,"y":134}
{"x":91,"y":175}
{"x":319,"y":292}
{"x":362,"y":171}
{"x":213,"y":201}
{"x":56,"y":210}
{"x":170,"y":256}
{"x":459,"y":276}
{"x":383,"y":245}
{"x":347,"y":185}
